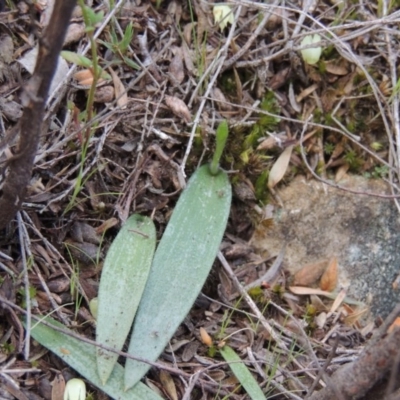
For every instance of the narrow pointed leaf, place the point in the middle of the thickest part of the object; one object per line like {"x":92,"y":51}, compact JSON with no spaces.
{"x":242,"y":373}
{"x":122,"y":282}
{"x":77,"y":59}
{"x":180,"y":267}
{"x":81,"y":357}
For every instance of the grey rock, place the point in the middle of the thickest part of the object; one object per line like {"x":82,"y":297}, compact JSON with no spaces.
{"x":318,"y":222}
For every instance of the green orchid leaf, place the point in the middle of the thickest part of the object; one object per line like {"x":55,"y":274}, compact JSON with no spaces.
{"x":122,"y":282}
{"x":242,"y":373}
{"x":180,"y":267}
{"x":81,"y":357}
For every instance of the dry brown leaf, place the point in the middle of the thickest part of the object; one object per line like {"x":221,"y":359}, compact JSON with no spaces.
{"x":174,"y":13}
{"x":84,"y":77}
{"x":310,"y":273}
{"x":220,"y":99}
{"x":278,"y":170}
{"x":205,"y":337}
{"x":292,"y":99}
{"x":337,"y":151}
{"x":385,"y":86}
{"x":346,"y":83}
{"x":336,"y":68}
{"x":230,"y":381}
{"x":217,"y":374}
{"x":368,"y":329}
{"x":109,"y":223}
{"x":187,"y":32}
{"x":239,"y":87}
{"x":187,"y":57}
{"x":341,"y":172}
{"x":279,"y":79}
{"x":267,"y":144}
{"x":168,"y":384}
{"x":328,"y":99}
{"x":178,"y":107}
{"x":338,"y":301}
{"x":38,"y":249}
{"x":353,"y":315}
{"x":329,"y":278}
{"x":175,"y":68}
{"x":306,"y":92}
{"x":57,"y":391}
{"x":120,"y":92}
{"x":317,"y":303}
{"x":307,"y":290}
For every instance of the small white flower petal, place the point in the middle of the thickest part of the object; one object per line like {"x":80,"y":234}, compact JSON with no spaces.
{"x":223,"y":15}
{"x":75,"y":389}
{"x":311,"y":55}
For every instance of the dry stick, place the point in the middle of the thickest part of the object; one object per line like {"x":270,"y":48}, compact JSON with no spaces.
{"x":229,"y":63}
{"x":366,"y":27}
{"x":192,"y":383}
{"x":346,"y":52}
{"x":310,"y":351}
{"x":385,"y":326}
{"x":334,"y":386}
{"x":325,"y":367}
{"x":24,"y":248}
{"x":299,"y":23}
{"x":261,"y":372}
{"x":272,"y":272}
{"x":267,"y":277}
{"x":55,"y":251}
{"x":274,"y":335}
{"x":395,"y":108}
{"x":356,"y":378}
{"x":37,"y":271}
{"x":34,"y":100}
{"x":217,"y":64}
{"x":42,"y":320}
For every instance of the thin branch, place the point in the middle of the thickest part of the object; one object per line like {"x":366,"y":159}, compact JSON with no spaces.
{"x":34,"y":100}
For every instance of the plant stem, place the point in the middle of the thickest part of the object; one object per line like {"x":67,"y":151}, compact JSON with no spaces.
{"x":221,"y":137}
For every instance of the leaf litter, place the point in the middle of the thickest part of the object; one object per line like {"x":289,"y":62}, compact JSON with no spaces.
{"x":154,"y":128}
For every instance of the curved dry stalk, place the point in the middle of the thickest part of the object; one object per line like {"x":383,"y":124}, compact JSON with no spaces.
{"x":34,"y":100}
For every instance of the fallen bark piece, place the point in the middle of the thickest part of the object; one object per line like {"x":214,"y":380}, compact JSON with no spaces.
{"x":355,"y":379}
